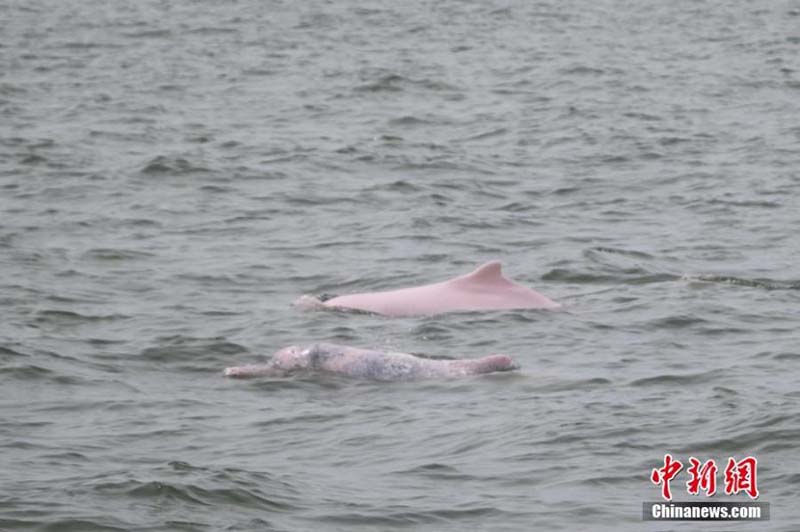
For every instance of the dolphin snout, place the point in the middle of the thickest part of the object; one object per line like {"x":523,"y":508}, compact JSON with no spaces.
{"x":242,"y":372}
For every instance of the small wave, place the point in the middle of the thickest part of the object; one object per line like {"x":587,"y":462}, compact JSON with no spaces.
{"x":564,"y":191}
{"x":566,"y":385}
{"x":432,"y":332}
{"x":516,"y":206}
{"x":614,"y":159}
{"x":165,"y":492}
{"x":745,"y":440}
{"x":671,"y":141}
{"x":8,"y":89}
{"x":397,"y":83}
{"x":619,"y":251}
{"x":766,"y":284}
{"x":162,"y":165}
{"x":32,"y":372}
{"x":582,"y":70}
{"x":722,"y":392}
{"x":212,"y":280}
{"x":8,"y":352}
{"x":33,"y":159}
{"x":217,"y":189}
{"x":387,"y":83}
{"x":436,"y":471}
{"x":309,"y":200}
{"x":84,"y":45}
{"x":69,"y":457}
{"x":83,"y":525}
{"x":183,"y":348}
{"x":577,"y":277}
{"x":407,"y":121}
{"x":607,"y":480}
{"x":643,"y":116}
{"x":6,"y":240}
{"x":207,"y":30}
{"x":396,"y":186}
{"x":669,"y":379}
{"x":108,"y":254}
{"x":487,"y":134}
{"x":787,"y":356}
{"x":149,"y":34}
{"x":391,"y":518}
{"x":26,"y":372}
{"x":66,"y":317}
{"x":181,"y":482}
{"x":344,"y":334}
{"x":141,"y":222}
{"x":744,"y":203}
{"x":680,"y":321}
{"x":292,"y":421}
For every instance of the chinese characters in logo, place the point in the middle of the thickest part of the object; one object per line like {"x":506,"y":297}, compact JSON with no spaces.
{"x":739,"y":476}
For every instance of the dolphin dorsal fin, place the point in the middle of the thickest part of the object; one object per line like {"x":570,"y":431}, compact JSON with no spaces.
{"x":486,"y":273}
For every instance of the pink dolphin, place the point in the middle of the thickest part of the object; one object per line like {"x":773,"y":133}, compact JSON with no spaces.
{"x":483,"y":289}
{"x":370,"y":364}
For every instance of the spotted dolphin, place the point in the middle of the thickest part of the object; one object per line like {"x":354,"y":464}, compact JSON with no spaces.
{"x":370,"y":364}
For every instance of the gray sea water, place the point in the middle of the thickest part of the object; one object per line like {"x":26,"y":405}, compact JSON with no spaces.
{"x":174,"y":174}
